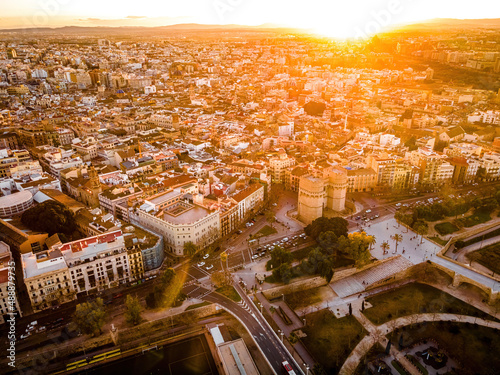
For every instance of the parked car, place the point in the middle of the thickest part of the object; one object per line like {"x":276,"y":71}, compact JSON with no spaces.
{"x":206,"y":256}
{"x":255,"y":256}
{"x":201,"y":264}
{"x":25,"y":336}
{"x":209,"y":267}
{"x":368,"y":211}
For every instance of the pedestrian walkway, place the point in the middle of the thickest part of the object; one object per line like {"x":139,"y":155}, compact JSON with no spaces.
{"x":286,"y":329}
{"x":358,"y":282}
{"x":378,"y":333}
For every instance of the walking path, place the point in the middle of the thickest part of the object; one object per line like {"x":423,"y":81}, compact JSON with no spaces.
{"x":461,"y":254}
{"x":286,"y":329}
{"x":378,"y":333}
{"x":417,"y":252}
{"x":359,"y":281}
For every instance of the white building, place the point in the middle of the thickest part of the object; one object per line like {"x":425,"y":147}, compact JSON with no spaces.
{"x":97,"y":263}
{"x":179,"y":218}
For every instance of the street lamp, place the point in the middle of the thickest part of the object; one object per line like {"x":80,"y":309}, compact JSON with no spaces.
{"x":283,"y":297}
{"x":307,"y":368}
{"x":304,"y":321}
{"x":281,"y":333}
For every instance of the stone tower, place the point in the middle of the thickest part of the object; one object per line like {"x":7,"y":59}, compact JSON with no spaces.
{"x":311,"y":198}
{"x":328,"y":190}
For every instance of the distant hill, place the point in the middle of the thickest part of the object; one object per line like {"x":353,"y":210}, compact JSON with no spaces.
{"x":122,"y":29}
{"x":451,"y":23}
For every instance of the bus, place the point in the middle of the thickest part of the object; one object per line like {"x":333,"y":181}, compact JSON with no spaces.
{"x":288,"y":368}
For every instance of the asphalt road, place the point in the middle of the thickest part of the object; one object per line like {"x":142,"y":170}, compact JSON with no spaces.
{"x":270,"y":345}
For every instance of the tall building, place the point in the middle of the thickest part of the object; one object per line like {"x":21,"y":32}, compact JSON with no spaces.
{"x":8,"y":294}
{"x":324,"y":190}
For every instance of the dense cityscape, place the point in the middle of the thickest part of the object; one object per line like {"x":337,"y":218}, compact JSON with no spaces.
{"x":202,"y":199}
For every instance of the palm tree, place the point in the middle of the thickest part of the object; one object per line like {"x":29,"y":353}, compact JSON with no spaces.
{"x":189,"y":248}
{"x":371,"y":241}
{"x":397,"y":238}
{"x":385,"y":246}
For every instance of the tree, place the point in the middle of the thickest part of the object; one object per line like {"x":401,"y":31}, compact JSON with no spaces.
{"x":133,"y":310}
{"x":337,"y":225}
{"x":397,"y":238}
{"x":279,"y":256}
{"x":328,"y":241}
{"x":167,"y":292}
{"x":371,"y":241}
{"x":50,"y":217}
{"x":189,"y":248}
{"x":318,"y":263}
{"x":221,"y":278}
{"x":271,"y":219}
{"x":89,"y":317}
{"x":422,"y":229}
{"x":356,"y":246}
{"x":313,"y":108}
{"x":283,"y":272}
{"x":385,"y":246}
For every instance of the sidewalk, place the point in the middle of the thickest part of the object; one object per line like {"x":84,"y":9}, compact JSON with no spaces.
{"x":378,"y":333}
{"x":287,"y":329}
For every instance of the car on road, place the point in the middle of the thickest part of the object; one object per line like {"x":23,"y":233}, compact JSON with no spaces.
{"x":376,"y":216}
{"x":118,"y":295}
{"x":41,"y":329}
{"x":201,"y":264}
{"x":358,"y":217}
{"x":206,"y":256}
{"x":398,"y":204}
{"x":368,"y":211}
{"x":59,"y":320}
{"x":208,"y":268}
{"x":255,"y":256}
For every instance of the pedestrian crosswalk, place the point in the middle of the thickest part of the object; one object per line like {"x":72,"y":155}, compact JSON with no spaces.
{"x":244,"y":305}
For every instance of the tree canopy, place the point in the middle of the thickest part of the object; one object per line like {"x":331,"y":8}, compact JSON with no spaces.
{"x":50,"y":217}
{"x":90,"y":316}
{"x":313,"y":108}
{"x":279,"y":256}
{"x":133,"y":310}
{"x":336,"y":225}
{"x":167,"y":292}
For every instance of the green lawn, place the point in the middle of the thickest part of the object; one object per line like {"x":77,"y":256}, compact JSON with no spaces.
{"x":302,"y":253}
{"x":489,"y":257}
{"x":330,"y":340}
{"x":478,"y":217}
{"x":303,"y":298}
{"x":265,"y":231}
{"x":490,"y":234}
{"x":474,"y":346}
{"x":445,"y":228}
{"x":229,"y":292}
{"x":196,"y":305}
{"x":416,"y":298}
{"x":417,"y":363}
{"x":439,"y":240}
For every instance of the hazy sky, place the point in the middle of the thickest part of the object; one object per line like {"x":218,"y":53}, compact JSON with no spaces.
{"x":330,"y":17}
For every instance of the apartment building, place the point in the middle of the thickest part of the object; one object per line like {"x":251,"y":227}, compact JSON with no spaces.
{"x":179,"y":218}
{"x":97,"y":263}
{"x":47,"y":279}
{"x":8,"y":294}
{"x":279,"y":165}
